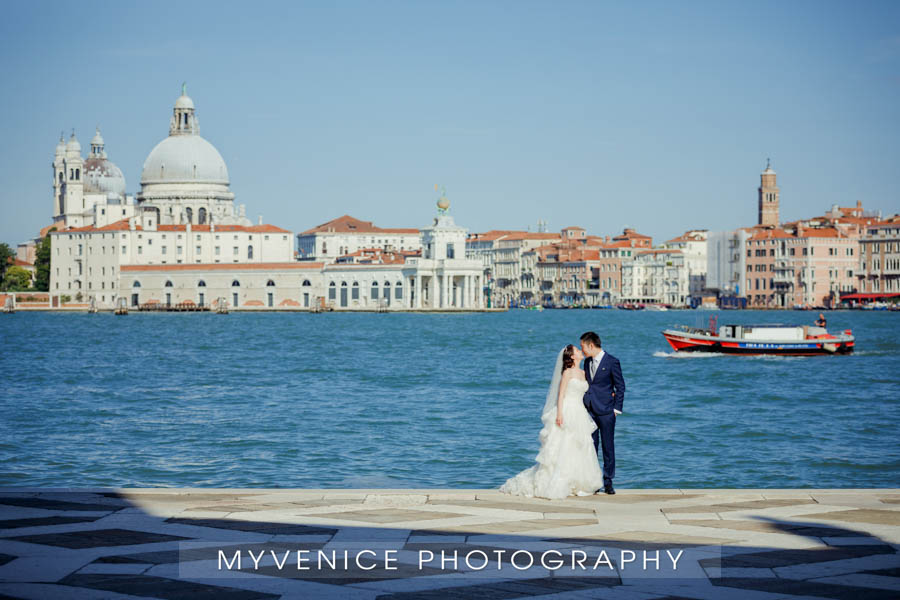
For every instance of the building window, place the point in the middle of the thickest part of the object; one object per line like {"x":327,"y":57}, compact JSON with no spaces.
{"x":332,"y":291}
{"x":249,"y":252}
{"x":235,"y":251}
{"x":354,"y":294}
{"x":374,"y":294}
{"x":235,"y":283}
{"x":199,"y":251}
{"x":217,"y":251}
{"x":180,"y":250}
{"x":164,"y":249}
{"x":201,"y":216}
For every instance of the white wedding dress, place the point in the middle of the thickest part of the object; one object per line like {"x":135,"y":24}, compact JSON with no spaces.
{"x":567,"y":463}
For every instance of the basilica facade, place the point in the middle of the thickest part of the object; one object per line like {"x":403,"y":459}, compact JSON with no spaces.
{"x":182,"y":240}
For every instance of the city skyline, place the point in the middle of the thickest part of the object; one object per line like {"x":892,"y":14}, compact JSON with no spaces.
{"x":539,"y":113}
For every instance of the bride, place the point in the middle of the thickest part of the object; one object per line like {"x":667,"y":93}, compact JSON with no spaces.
{"x":567,"y":461}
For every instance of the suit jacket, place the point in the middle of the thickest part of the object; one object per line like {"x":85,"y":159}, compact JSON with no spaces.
{"x":607,"y":389}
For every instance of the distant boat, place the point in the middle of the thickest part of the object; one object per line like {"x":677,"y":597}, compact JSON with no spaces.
{"x":657,"y":307}
{"x":789,"y":340}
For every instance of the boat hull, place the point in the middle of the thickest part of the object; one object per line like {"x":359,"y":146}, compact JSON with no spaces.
{"x":687,"y":342}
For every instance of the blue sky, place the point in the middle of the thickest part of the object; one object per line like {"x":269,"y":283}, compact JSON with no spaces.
{"x":654,"y":115}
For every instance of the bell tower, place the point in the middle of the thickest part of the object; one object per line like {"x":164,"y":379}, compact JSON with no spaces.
{"x":768,"y":197}
{"x":59,"y":179}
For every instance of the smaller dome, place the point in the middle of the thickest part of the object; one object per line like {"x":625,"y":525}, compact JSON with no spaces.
{"x":98,"y":139}
{"x":184,"y":101}
{"x":102,"y":176}
{"x":73,"y":145}
{"x":61,"y":146}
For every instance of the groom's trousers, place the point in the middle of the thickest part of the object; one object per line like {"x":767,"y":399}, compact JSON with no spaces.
{"x":604,"y":436}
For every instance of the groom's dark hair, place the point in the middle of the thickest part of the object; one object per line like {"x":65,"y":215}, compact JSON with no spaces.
{"x":591,"y":337}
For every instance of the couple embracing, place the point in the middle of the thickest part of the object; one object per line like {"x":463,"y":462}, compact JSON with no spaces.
{"x":579,"y":418}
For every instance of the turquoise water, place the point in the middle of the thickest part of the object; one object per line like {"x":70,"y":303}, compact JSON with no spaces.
{"x":417,"y":400}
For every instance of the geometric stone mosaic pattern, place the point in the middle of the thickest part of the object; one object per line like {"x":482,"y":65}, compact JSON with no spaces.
{"x":459,"y":544}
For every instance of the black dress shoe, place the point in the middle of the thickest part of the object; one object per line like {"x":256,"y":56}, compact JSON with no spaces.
{"x":598,"y":490}
{"x":608,"y":488}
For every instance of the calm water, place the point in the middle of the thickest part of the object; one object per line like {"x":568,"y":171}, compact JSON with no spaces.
{"x":413,"y":400}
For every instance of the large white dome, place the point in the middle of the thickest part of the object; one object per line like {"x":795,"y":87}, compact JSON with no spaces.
{"x":184,"y":159}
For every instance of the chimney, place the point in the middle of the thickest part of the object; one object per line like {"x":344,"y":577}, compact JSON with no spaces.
{"x":260,"y":219}
{"x":607,"y":239}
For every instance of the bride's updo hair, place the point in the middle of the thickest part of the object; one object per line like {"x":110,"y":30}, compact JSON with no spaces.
{"x":568,"y":359}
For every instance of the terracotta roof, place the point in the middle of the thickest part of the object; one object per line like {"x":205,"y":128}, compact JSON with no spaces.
{"x":629,"y":234}
{"x":825,"y":232}
{"x":768,"y":234}
{"x":528,"y":235}
{"x":122,"y":225}
{"x":658,"y":251}
{"x":348,"y":224}
{"x":224,"y":267}
{"x":491,"y":235}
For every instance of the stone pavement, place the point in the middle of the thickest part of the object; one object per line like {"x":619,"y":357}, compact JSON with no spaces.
{"x":236,"y":544}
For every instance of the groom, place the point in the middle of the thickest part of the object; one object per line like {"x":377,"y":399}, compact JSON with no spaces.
{"x":603,"y":400}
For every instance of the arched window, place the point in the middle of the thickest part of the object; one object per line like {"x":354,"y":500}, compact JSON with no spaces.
{"x":343,"y":284}
{"x":355,"y":293}
{"x":136,"y":284}
{"x":250,"y":251}
{"x":332,"y":291}
{"x":270,"y":283}
{"x":374,"y":294}
{"x":168,"y":284}
{"x":398,"y":290}
{"x":190,"y":214}
{"x":61,"y":177}
{"x":387,"y":284}
{"x":201,"y":283}
{"x":201,"y":216}
{"x":235,"y":283}
{"x":306,"y":283}
{"x":77,"y":174}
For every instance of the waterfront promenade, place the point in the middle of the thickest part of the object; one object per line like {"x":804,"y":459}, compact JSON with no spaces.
{"x":165,"y":543}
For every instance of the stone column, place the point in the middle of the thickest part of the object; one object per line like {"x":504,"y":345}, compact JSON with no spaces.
{"x":468,"y":303}
{"x":417,"y":301}
{"x":432,"y":290}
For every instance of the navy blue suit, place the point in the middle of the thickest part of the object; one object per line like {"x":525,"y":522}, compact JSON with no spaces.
{"x":606,"y":392}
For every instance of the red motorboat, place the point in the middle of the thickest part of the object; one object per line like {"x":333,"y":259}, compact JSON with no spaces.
{"x":789,"y":340}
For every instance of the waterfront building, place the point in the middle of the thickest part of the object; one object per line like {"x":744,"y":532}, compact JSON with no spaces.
{"x":693,"y":245}
{"x":814,"y":266}
{"x":658,"y":276}
{"x":346,"y":235}
{"x":879,"y":258}
{"x":765,"y":273}
{"x":184,"y":215}
{"x":726,"y":263}
{"x":513,"y":281}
